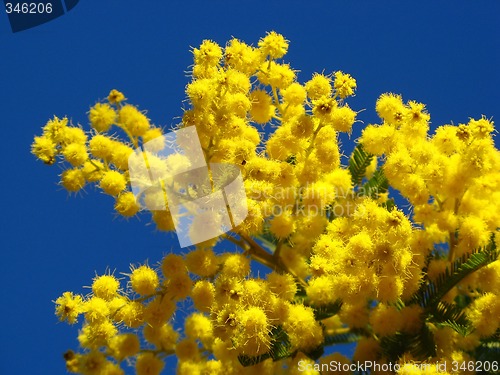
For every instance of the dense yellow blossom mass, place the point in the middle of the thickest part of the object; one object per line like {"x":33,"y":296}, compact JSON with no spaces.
{"x":413,"y":287}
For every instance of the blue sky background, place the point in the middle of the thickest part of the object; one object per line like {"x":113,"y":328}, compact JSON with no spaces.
{"x":445,"y":54}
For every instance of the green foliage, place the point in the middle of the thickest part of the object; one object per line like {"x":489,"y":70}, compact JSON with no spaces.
{"x":292,"y":159}
{"x":324,"y":312}
{"x":450,"y":315}
{"x":358,"y":162}
{"x":489,"y":351}
{"x":344,"y":338}
{"x":376,"y":185}
{"x":463,"y":300}
{"x":421,"y":346}
{"x":430,"y":293}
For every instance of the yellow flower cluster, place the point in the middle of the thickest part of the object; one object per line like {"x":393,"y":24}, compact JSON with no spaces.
{"x":451,"y":178}
{"x":100,"y":157}
{"x":366,"y":256}
{"x":344,"y":263}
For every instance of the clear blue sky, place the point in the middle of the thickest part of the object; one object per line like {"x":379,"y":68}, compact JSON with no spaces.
{"x":445,"y":54}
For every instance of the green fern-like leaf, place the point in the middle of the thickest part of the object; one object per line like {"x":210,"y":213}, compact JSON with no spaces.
{"x":451,"y":315}
{"x":420,"y":346}
{"x":358,"y":162}
{"x":247,"y":361}
{"x":316,"y":353}
{"x":344,"y":338}
{"x":462,"y":300}
{"x":376,"y":185}
{"x":323,"y":312}
{"x":431,"y":293}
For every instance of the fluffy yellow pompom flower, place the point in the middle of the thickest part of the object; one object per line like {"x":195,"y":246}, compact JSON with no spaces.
{"x":481,"y":128}
{"x":126,"y":204}
{"x":198,"y":326}
{"x":295,"y":94}
{"x":343,"y":118}
{"x":113,"y":182}
{"x":153,"y":133}
{"x":116,"y":97}
{"x":202,"y":92}
{"x":44,"y":149}
{"x":73,"y":134}
{"x":75,"y":154}
{"x":283,"y":285}
{"x":101,"y":146}
{"x":319,"y":289}
{"x":92,"y":170}
{"x":390,"y":108}
{"x":344,"y":84}
{"x":148,"y":364}
{"x":276,"y":75}
{"x":203,"y":295}
{"x":164,"y":337}
{"x":96,"y":310}
{"x":473,"y":232}
{"x":124,"y":346}
{"x":242,"y":57}
{"x":273,"y":45}
{"x":208,"y":54}
{"x":236,"y":265}
{"x":304,"y":331}
{"x":253,"y":336}
{"x":386,"y":320}
{"x":163,"y":220}
{"x":320,"y":85}
{"x":159,"y":311}
{"x":483,"y":314}
{"x":102,"y":116}
{"x":144,"y":280}
{"x":236,"y":82}
{"x":73,"y":180}
{"x":105,"y":287}
{"x":93,"y":363}
{"x":173,"y":265}
{"x":283,"y":225}
{"x":56,"y":129}
{"x":202,"y":262}
{"x":131,"y":314}
{"x":187,"y":350}
{"x":378,"y":139}
{"x":120,"y":155}
{"x":238,"y":104}
{"x":262,"y":109}
{"x":68,"y":307}
{"x":134,"y":121}
{"x":179,"y":286}
{"x":323,"y":107}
